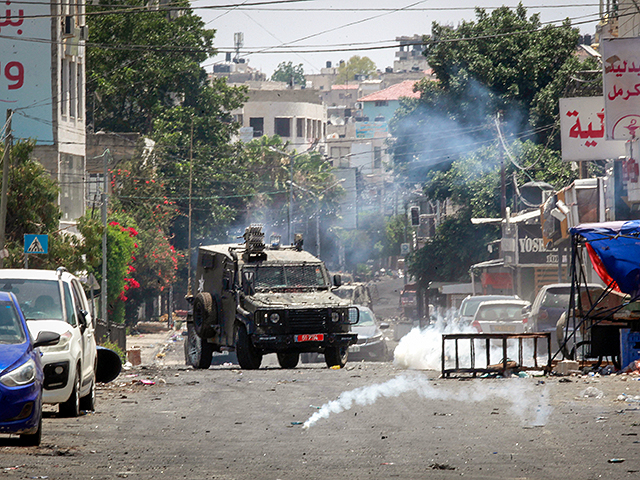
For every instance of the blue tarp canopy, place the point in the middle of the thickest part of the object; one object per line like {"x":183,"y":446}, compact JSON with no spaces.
{"x":615,"y":252}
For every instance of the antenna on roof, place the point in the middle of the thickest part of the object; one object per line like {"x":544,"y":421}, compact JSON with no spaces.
{"x":238,"y":41}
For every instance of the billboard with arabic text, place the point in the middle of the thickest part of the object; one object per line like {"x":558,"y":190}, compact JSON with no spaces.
{"x":621,"y":83}
{"x":25,"y":69}
{"x":582,"y":131}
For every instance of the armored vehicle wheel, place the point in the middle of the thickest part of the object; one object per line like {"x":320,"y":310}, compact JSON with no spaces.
{"x":248,"y":357}
{"x":288,"y":359}
{"x":205,"y":314}
{"x":197,"y":352}
{"x":336,"y":356}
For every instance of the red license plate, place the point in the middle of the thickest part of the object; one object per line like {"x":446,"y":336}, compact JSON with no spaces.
{"x":316,"y":337}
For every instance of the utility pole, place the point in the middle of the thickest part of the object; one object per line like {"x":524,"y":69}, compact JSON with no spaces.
{"x":291,"y":158}
{"x":190,"y":192}
{"x":105,"y":200}
{"x":5,"y":185}
{"x":503,"y":182}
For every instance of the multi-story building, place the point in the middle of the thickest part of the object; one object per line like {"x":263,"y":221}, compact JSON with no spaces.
{"x":299,"y":117}
{"x":43,"y":83}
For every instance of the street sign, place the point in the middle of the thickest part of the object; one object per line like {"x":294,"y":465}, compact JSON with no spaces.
{"x":404,"y":249}
{"x":36,"y":243}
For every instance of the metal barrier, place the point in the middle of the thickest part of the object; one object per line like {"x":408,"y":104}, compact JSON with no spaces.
{"x":505,"y":364}
{"x":116,"y":333}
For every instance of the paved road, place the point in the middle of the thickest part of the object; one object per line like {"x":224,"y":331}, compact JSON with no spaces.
{"x":369,"y":420}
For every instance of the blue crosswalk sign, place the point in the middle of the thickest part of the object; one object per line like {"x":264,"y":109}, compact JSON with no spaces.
{"x":36,"y":243}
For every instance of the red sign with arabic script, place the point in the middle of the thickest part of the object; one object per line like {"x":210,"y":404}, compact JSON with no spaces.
{"x":621,"y":83}
{"x":582,"y":125}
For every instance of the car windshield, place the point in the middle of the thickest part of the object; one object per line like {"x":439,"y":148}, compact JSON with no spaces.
{"x":39,"y":299}
{"x":11,"y":331}
{"x":501,"y":312}
{"x":289,"y":276}
{"x":366,"y":317}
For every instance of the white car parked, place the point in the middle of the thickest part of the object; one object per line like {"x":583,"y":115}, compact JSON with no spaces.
{"x":53,"y":300}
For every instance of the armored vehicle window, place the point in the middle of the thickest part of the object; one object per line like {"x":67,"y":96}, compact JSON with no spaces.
{"x":289,"y":276}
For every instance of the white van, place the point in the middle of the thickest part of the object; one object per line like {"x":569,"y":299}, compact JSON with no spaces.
{"x":53,"y":300}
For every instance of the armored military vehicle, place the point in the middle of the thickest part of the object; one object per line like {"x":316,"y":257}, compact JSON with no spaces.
{"x":258,"y":299}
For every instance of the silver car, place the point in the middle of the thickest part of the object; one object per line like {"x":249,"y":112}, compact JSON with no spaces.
{"x":502,"y":316}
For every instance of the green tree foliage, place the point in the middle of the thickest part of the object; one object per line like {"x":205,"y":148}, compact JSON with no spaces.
{"x":142,"y":62}
{"x":314,"y":189}
{"x":356,"y":65}
{"x":498,"y":63}
{"x":32,"y":208}
{"x":502,"y":65}
{"x":447,"y":257}
{"x":139,"y":200}
{"x":289,"y":73}
{"x":121,"y":247}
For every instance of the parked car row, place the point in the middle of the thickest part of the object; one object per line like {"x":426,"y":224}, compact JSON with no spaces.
{"x":48,"y":351}
{"x":510,"y":314}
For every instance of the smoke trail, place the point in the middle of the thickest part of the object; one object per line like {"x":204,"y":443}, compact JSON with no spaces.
{"x":531,"y":406}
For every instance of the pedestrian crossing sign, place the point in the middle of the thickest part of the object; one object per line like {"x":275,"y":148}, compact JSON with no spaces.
{"x":36,"y":243}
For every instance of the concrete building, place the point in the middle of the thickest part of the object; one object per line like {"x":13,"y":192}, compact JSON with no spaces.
{"x":297,"y":116}
{"x":44,"y":80}
{"x":410,"y":57}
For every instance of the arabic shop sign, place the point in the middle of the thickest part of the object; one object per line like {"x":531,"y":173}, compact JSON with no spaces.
{"x":582,"y":125}
{"x":25,"y":68}
{"x":621,"y":82}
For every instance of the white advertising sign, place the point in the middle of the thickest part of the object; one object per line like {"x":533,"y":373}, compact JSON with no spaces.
{"x":621,"y":83}
{"x":583,"y":131}
{"x":25,"y":69}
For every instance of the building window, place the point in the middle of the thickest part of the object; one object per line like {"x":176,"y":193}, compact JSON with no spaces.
{"x":382,"y":103}
{"x":64,"y":104}
{"x":257,"y":123}
{"x":377,"y":157}
{"x":73,"y":95}
{"x":299,"y":127}
{"x":239,"y":118}
{"x":80,"y":90}
{"x":282,"y":127}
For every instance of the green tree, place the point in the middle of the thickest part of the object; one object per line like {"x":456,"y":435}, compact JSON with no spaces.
{"x":498,"y":63}
{"x":447,"y":257}
{"x":142,"y":62}
{"x":315,"y":189}
{"x":139,"y":198}
{"x":121,"y":247}
{"x":356,"y":65}
{"x":289,"y":73}
{"x":32,"y":208}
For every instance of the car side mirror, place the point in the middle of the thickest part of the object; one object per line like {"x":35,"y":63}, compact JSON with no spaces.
{"x":337,"y":280}
{"x":383,"y":326}
{"x":354,"y":313}
{"x":82,"y":317}
{"x":46,"y":339}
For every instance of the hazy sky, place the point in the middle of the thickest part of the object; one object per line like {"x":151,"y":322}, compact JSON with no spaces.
{"x":313,"y":32}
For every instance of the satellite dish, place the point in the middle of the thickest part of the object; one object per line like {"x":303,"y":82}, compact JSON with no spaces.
{"x":340,"y":121}
{"x":334,"y":119}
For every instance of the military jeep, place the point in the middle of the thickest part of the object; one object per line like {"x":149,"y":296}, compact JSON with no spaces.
{"x":256,"y":299}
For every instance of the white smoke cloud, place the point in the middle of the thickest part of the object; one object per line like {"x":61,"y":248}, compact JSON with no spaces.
{"x":529,"y":402}
{"x":422,"y":349}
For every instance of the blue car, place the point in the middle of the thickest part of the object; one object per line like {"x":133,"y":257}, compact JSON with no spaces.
{"x":20,"y":373}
